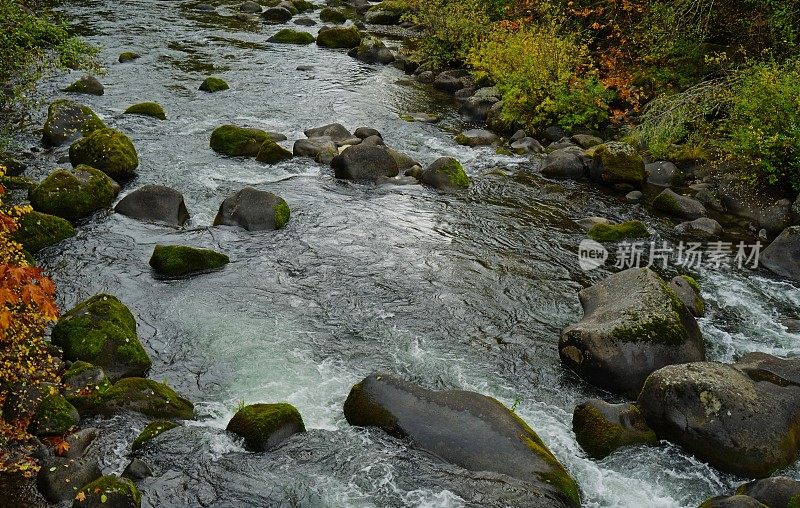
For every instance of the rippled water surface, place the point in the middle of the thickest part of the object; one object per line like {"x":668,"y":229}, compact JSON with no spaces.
{"x":462,"y":291}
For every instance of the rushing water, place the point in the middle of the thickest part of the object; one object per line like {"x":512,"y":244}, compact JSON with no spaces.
{"x":462,"y":291}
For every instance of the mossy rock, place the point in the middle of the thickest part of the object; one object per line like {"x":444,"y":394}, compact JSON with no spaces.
{"x":446,"y":173}
{"x":54,"y":416}
{"x":128,"y":56}
{"x":111,"y":491}
{"x":339,"y":37}
{"x":153,"y":109}
{"x":303,"y":5}
{"x":180,"y":260}
{"x":74,"y":194}
{"x":87,"y":85}
{"x":264,"y":426}
{"x":148,"y":397}
{"x":38,"y":230}
{"x":108,"y":150}
{"x":67,"y":121}
{"x":600,"y":428}
{"x":617,"y":162}
{"x":236,"y":141}
{"x":152,"y":430}
{"x":271,"y":152}
{"x":102,"y":331}
{"x":85,"y":385}
{"x":213,"y":84}
{"x":290,"y":36}
{"x":332,"y":15}
{"x":616,"y":232}
{"x":732,"y":502}
{"x":253,"y":210}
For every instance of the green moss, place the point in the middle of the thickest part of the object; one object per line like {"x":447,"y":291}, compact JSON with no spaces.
{"x":599,"y":436}
{"x":667,"y":203}
{"x":147,"y":397}
{"x":264,"y":425}
{"x":152,"y":430}
{"x":102,"y":331}
{"x":271,"y":152}
{"x":179,"y":260}
{"x":282,"y":214}
{"x":394,"y":6}
{"x":17,"y":183}
{"x":331,"y":15}
{"x":54,"y":416}
{"x":617,"y":232}
{"x":794,"y":502}
{"x":85,"y":385}
{"x":461,"y":139}
{"x":455,"y":174}
{"x":39,"y":230}
{"x":109,"y":489}
{"x":407,"y":118}
{"x":65,"y":118}
{"x":501,"y":150}
{"x":74,"y":194}
{"x":236,"y":141}
{"x":128,"y":56}
{"x":153,"y":109}
{"x":621,"y":163}
{"x":666,"y":327}
{"x":108,"y":150}
{"x":303,"y":5}
{"x":290,"y":36}
{"x":339,"y":37}
{"x":213,"y":84}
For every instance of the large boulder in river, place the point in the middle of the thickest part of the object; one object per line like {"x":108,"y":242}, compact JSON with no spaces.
{"x":235,"y":141}
{"x":742,"y":418}
{"x":86,"y":84}
{"x":277,"y":15}
{"x":681,"y":206}
{"x":108,"y":150}
{"x":145,"y":396}
{"x":468,"y":429}
{"x":476,"y":108}
{"x":476,"y":137}
{"x":291,"y":36}
{"x":600,"y":427}
{"x":446,"y":173}
{"x":213,"y":84}
{"x":152,"y":109}
{"x":633,"y":325}
{"x":102,"y":331}
{"x":265,"y":426}
{"x":321,"y":149}
{"x":180,"y":260}
{"x":766,"y":209}
{"x":617,"y":162}
{"x":362,"y":162}
{"x":569,"y":163}
{"x":339,"y":37}
{"x":109,"y":491}
{"x":74,"y":194}
{"x":271,"y":152}
{"x":253,"y":210}
{"x":372,"y":50}
{"x":155,"y":203}
{"x":775,"y":492}
{"x":332,"y":15}
{"x":335,"y":132}
{"x":688,"y":290}
{"x":38,"y":230}
{"x":782,"y":256}
{"x":67,"y":121}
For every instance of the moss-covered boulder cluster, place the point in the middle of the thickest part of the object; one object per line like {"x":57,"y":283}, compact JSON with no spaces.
{"x":108,"y":150}
{"x":54,"y":416}
{"x":265,"y":426}
{"x":74,"y":194}
{"x":67,"y":121}
{"x":235,"y":141}
{"x":180,"y":260}
{"x":38,"y":230}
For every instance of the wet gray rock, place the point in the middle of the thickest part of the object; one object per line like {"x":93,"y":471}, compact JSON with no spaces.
{"x":476,"y":108}
{"x":782,"y":256}
{"x":476,"y":137}
{"x":67,"y":121}
{"x":372,"y":50}
{"x":588,"y":222}
{"x":526,"y":145}
{"x":664,"y":174}
{"x":634,"y":196}
{"x":372,"y":141}
{"x":567,"y":163}
{"x":60,"y":477}
{"x":703,"y":227}
{"x":451,"y":81}
{"x":253,"y":210}
{"x":314,"y":147}
{"x":600,"y":427}
{"x":689,"y":292}
{"x":680,"y":206}
{"x":364,"y":163}
{"x":765,"y":210}
{"x":334,"y":131}
{"x":137,"y":470}
{"x":775,"y":492}
{"x":732,"y":502}
{"x":404,"y":162}
{"x":383,"y":17}
{"x":304,"y":21}
{"x":426,"y":77}
{"x":366,"y":132}
{"x":155,"y":203}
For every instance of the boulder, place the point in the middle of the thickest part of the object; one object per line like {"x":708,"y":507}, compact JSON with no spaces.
{"x":108,"y":150}
{"x":235,"y":141}
{"x":366,"y":132}
{"x":664,"y":174}
{"x":271,"y":152}
{"x":633,"y":325}
{"x":782,"y":256}
{"x":137,"y":470}
{"x":361,"y":162}
{"x":371,"y":50}
{"x":470,"y":430}
{"x":451,"y":81}
{"x":36,"y":230}
{"x":84,"y":385}
{"x":445,"y":173}
{"x":265,"y":426}
{"x":87,"y":84}
{"x":319,"y":149}
{"x":476,"y":137}
{"x":150,"y":431}
{"x":253,"y":210}
{"x":332,"y":15}
{"x":212,"y":84}
{"x":607,"y":232}
{"x":616,"y":162}
{"x":567,"y":163}
{"x":333,"y":132}
{"x":600,"y":427}
{"x":526,"y":145}
{"x":681,"y":206}
{"x":742,"y":418}
{"x":703,"y":227}
{"x":176,"y":261}
{"x":290,"y":36}
{"x":108,"y":492}
{"x":732,"y":502}
{"x":634,"y":196}
{"x":102,"y":331}
{"x":54,"y":416}
{"x":765,"y":209}
{"x":74,"y":194}
{"x":554,"y":133}
{"x":155,"y":203}
{"x":382,"y":17}
{"x":152,"y":109}
{"x":586,"y":141}
{"x":404,"y":162}
{"x":339,"y":37}
{"x":59,"y":477}
{"x":277,"y":15}
{"x":775,"y":492}
{"x":304,"y":21}
{"x":145,"y":396}
{"x":128,"y":56}
{"x":250,"y":7}
{"x":476,"y":108}
{"x":688,"y":291}
{"x":67,"y":121}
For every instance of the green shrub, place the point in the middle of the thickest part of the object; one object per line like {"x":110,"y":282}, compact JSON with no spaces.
{"x":450,"y":28}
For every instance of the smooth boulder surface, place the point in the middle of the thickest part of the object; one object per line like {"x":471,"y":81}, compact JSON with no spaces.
{"x":335,"y":132}
{"x":339,"y":37}
{"x":681,"y":206}
{"x":321,"y":149}
{"x":265,"y":426}
{"x":372,"y":50}
{"x":473,"y":431}
{"x":36,"y":231}
{"x":775,"y":492}
{"x":600,"y":427}
{"x":362,"y":162}
{"x":476,"y":137}
{"x":108,"y":492}
{"x":445,"y":173}
{"x":704,"y":227}
{"x":86,"y":84}
{"x":152,"y":109}
{"x":742,"y":418}
{"x":277,"y":15}
{"x":688,"y":291}
{"x":128,"y":56}
{"x":526,"y":145}
{"x":213,"y":84}
{"x":108,"y":150}
{"x":74,"y":194}
{"x":253,"y":210}
{"x":663,"y":174}
{"x":250,"y":7}
{"x":782,"y":256}
{"x":145,"y":396}
{"x":290,"y":36}
{"x":102,"y":331}
{"x":332,"y":15}
{"x":568,"y":163}
{"x":617,"y":162}
{"x":67,"y":121}
{"x":179,"y":260}
{"x":633,"y":325}
{"x":235,"y":141}
{"x":155,"y":203}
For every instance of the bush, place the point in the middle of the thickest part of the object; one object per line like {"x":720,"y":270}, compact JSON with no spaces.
{"x":544,"y":78}
{"x":450,"y":28}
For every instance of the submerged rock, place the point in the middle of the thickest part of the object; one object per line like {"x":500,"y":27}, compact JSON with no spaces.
{"x":36,"y":230}
{"x":617,"y":162}
{"x":108,"y":150}
{"x":775,"y":492}
{"x":633,"y":325}
{"x":180,"y":260}
{"x":102,"y":331}
{"x":213,"y":84}
{"x":782,"y":256}
{"x":152,"y":430}
{"x":74,"y":194}
{"x":153,"y":109}
{"x":473,"y":431}
{"x":87,"y":84}
{"x":67,"y":121}
{"x":253,"y":210}
{"x":362,"y":162}
{"x":109,"y":491}
{"x":446,"y":173}
{"x":137,"y":470}
{"x":682,"y":206}
{"x":339,"y":37}
{"x":265,"y":426}
{"x":155,"y":203}
{"x":145,"y":396}
{"x":601,"y":428}
{"x":607,"y":232}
